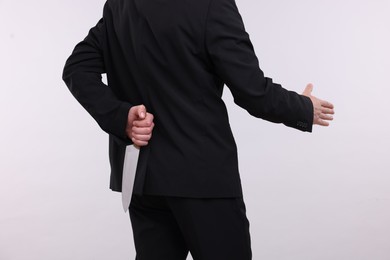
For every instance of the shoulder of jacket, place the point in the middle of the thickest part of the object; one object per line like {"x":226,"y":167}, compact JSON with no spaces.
{"x":112,"y":3}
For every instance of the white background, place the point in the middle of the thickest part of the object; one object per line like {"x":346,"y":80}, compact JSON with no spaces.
{"x":318,"y":196}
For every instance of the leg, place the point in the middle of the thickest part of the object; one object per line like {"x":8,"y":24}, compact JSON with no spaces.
{"x":156,"y":233}
{"x":214,"y":229}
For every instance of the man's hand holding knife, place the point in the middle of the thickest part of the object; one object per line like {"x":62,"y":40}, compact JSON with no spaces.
{"x":139,"y":125}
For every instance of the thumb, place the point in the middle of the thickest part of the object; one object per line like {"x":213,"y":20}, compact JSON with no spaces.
{"x":308,"y":90}
{"x":141,"y":113}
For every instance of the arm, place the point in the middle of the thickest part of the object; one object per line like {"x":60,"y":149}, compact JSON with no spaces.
{"x":82,"y":75}
{"x":232,"y":54}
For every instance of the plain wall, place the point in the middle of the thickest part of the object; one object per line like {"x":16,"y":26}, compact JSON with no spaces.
{"x":318,"y":196}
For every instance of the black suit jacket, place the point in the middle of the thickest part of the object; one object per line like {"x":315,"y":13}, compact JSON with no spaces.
{"x":175,"y":57}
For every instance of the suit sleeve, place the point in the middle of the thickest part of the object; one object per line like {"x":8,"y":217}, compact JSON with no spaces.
{"x":82,"y":75}
{"x":234,"y":61}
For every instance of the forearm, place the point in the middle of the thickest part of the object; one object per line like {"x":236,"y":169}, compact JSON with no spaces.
{"x":270,"y":101}
{"x":99,"y":101}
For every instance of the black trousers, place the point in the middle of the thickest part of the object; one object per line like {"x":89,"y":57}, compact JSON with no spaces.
{"x":167,"y":228}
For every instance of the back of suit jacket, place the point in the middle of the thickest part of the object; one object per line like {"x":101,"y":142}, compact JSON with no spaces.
{"x":174,"y":56}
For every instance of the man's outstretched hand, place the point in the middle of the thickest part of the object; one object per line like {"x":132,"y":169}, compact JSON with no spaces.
{"x":323,"y":110}
{"x":139,"y":125}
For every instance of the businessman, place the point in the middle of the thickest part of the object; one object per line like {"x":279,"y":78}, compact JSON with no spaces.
{"x":167,"y":63}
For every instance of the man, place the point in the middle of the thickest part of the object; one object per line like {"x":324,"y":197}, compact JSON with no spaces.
{"x":166,"y":63}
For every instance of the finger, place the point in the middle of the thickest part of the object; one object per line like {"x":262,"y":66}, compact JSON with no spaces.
{"x":326,"y":117}
{"x":327,"y":111}
{"x":326,"y":104}
{"x":142,"y":130}
{"x":308,"y":90}
{"x":142,"y":137}
{"x":147,"y":122}
{"x":143,"y":123}
{"x":321,"y":122}
{"x":150,"y":117}
{"x":138,"y":142}
{"x":141,"y":111}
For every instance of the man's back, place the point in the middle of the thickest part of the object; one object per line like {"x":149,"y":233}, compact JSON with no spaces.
{"x":175,"y":57}
{"x":192,"y":146}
